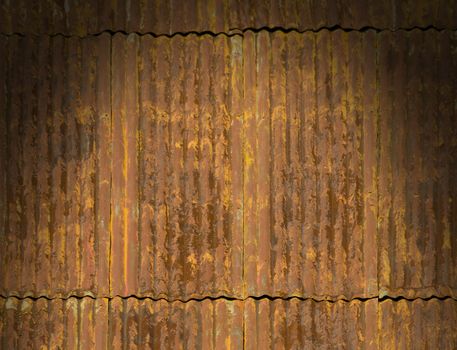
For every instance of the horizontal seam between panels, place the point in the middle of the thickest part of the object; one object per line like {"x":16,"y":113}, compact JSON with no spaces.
{"x":239,"y":32}
{"x":227,"y":298}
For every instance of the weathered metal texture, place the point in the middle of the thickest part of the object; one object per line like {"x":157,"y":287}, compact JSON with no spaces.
{"x":186,"y":109}
{"x":417,"y":164}
{"x":242,"y":165}
{"x":120,"y":324}
{"x":418,"y":324}
{"x":177,"y":223}
{"x":55,"y":188}
{"x":296,"y":324}
{"x":310,"y":164}
{"x":335,"y":123}
{"x":253,"y":324}
{"x":168,"y":17}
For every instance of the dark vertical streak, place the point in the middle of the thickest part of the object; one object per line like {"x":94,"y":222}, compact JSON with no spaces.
{"x":110,"y":335}
{"x":378,"y":162}
{"x":140,"y":158}
{"x":271,"y":196}
{"x":316,"y":132}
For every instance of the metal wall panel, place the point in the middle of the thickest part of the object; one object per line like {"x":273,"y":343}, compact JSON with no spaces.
{"x":220,"y":324}
{"x":177,"y":194}
{"x":310,"y":194}
{"x":220,"y":167}
{"x":88,"y":323}
{"x":296,"y":324}
{"x":56,"y":178}
{"x":237,"y":165}
{"x":418,"y":324}
{"x":76,"y":17}
{"x":309,"y":229}
{"x":417,"y":164}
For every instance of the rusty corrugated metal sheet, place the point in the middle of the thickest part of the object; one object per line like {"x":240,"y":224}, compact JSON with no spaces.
{"x":253,"y":324}
{"x":167,"y":17}
{"x":418,"y":324}
{"x":417,"y":164}
{"x":120,"y":324}
{"x":330,"y":120}
{"x":310,"y":194}
{"x":177,"y":188}
{"x":56,"y":179}
{"x":179,"y":140}
{"x":242,"y":165}
{"x":296,"y":324}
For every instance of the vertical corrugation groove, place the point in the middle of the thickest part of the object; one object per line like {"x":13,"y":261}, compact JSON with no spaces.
{"x":110,"y":228}
{"x":4,"y":102}
{"x":248,"y":102}
{"x":322,"y":166}
{"x":27,"y":214}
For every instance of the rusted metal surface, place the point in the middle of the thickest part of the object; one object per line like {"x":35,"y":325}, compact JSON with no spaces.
{"x":417,"y":164}
{"x":230,"y":165}
{"x":120,"y":324}
{"x":274,"y":106}
{"x":177,"y":185}
{"x":221,"y":324}
{"x":167,"y":17}
{"x":55,"y":188}
{"x":417,"y":324}
{"x":296,"y":324}
{"x":310,"y":195}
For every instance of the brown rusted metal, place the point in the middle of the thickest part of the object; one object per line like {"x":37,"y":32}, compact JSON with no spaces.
{"x":417,"y":163}
{"x":238,"y":171}
{"x":304,"y":165}
{"x":177,"y":196}
{"x":237,"y":166}
{"x":221,"y":324}
{"x":120,"y":323}
{"x":56,"y":113}
{"x":77,"y":17}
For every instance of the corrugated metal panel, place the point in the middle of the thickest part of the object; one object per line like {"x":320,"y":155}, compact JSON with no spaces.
{"x":177,"y":193}
{"x":295,"y":324}
{"x":120,"y":324}
{"x":177,"y":138}
{"x":242,"y":165}
{"x":417,"y":164}
{"x":56,"y":186}
{"x":167,"y":17}
{"x":255,"y":324}
{"x":310,"y":194}
{"x":418,"y":324}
